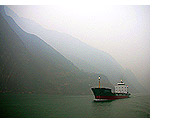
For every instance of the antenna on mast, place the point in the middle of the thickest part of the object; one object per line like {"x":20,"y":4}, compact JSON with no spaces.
{"x":99,"y":81}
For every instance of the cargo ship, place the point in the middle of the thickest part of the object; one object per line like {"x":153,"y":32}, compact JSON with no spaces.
{"x":105,"y":94}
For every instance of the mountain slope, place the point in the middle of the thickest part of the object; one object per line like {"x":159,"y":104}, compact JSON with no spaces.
{"x":83,"y":56}
{"x":29,"y":65}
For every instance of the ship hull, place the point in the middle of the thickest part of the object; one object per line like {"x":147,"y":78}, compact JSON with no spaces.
{"x":102,"y":94}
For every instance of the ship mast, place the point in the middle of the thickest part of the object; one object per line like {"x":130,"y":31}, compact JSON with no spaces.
{"x":99,"y":81}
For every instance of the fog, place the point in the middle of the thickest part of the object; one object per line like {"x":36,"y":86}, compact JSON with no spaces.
{"x":121,"y":31}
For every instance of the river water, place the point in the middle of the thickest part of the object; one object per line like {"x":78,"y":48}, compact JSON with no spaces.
{"x":57,"y":106}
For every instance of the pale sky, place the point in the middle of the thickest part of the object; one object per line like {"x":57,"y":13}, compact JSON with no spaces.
{"x":121,"y":31}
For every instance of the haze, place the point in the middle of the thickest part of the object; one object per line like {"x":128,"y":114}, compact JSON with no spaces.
{"x":121,"y":31}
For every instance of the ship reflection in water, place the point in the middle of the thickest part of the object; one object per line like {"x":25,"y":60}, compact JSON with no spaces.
{"x":82,"y":106}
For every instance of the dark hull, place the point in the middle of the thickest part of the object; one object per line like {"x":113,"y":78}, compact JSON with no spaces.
{"x":102,"y":94}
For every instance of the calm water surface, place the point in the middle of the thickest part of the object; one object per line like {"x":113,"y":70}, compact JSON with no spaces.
{"x":55,"y":106}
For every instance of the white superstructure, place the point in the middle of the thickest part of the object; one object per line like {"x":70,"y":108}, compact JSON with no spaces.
{"x":121,"y":88}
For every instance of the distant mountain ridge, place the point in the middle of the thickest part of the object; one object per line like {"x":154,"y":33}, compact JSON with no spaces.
{"x":29,"y":65}
{"x":83,"y":56}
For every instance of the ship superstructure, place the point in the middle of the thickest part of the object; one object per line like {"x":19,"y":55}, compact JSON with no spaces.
{"x":121,"y":87}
